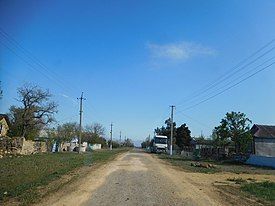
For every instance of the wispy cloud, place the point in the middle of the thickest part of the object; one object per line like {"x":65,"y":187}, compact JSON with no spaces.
{"x":64,"y":95}
{"x":69,"y":98}
{"x":178,"y":52}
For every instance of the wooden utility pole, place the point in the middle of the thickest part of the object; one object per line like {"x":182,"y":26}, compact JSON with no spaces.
{"x":80,"y":122}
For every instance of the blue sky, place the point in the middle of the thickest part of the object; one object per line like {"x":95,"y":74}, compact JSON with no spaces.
{"x":132,"y":59}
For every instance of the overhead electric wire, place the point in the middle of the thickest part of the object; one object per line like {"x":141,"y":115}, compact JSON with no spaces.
{"x":231,"y":73}
{"x":238,"y":77}
{"x":54,"y":76}
{"x":211,"y":97}
{"x":31,"y":61}
{"x":29,"y":64}
{"x":50,"y":73}
{"x":237,"y":69}
{"x":193,"y":119}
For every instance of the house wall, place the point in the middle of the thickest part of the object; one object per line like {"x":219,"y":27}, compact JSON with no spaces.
{"x":3,"y":127}
{"x":264,"y":147}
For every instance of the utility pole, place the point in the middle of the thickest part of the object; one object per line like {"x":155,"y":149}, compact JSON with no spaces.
{"x":172,"y":127}
{"x":80,"y":121}
{"x":111,"y":133}
{"x":120,"y":137}
{"x":1,"y":91}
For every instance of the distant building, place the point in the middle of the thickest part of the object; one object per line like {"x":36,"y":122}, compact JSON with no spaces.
{"x":95,"y":146}
{"x":200,"y":143}
{"x":263,"y":140}
{"x":4,"y":125}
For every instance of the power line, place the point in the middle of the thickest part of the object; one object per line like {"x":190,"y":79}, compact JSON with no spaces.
{"x":239,"y":77}
{"x":32,"y":62}
{"x":211,"y":97}
{"x":31,"y":57}
{"x":195,"y":120}
{"x":30,"y":65}
{"x":232,"y":72}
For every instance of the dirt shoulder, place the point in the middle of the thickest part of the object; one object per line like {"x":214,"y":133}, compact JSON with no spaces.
{"x":27,"y":179}
{"x":136,"y":178}
{"x":221,"y":185}
{"x":78,"y":186}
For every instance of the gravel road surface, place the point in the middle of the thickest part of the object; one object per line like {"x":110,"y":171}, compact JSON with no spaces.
{"x":138,"y":178}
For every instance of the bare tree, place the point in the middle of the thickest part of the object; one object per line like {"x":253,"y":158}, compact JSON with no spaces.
{"x":67,"y":131}
{"x":94,"y":133}
{"x":96,"y":128}
{"x":37,"y":110}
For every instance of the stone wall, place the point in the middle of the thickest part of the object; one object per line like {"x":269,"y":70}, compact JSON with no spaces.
{"x":18,"y":145}
{"x":32,"y":147}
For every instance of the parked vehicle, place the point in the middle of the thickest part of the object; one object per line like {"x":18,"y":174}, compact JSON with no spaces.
{"x":159,"y":144}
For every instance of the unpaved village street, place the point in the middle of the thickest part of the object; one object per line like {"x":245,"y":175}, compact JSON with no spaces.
{"x":138,"y":178}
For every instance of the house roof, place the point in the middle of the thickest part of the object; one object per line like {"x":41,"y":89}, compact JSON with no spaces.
{"x":267,"y":131}
{"x":4,"y":116}
{"x":202,"y":141}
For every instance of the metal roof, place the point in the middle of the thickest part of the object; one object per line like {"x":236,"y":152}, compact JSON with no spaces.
{"x":266,"y":131}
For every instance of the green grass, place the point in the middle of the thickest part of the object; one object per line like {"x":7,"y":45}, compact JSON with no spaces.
{"x":20,"y":176}
{"x":233,"y":167}
{"x":264,"y":190}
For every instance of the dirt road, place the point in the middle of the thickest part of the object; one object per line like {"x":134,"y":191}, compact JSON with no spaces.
{"x":137,"y":178}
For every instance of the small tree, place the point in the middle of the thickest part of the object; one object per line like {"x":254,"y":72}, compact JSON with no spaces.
{"x":94,"y":134}
{"x":235,"y":127}
{"x":95,"y":128}
{"x":67,"y":131}
{"x":128,"y":143}
{"x":166,"y":131}
{"x":146,"y":143}
{"x":183,"y":136}
{"x":221,"y":135}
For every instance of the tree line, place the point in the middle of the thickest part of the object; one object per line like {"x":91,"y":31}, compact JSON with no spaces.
{"x":234,"y":130}
{"x":36,"y":112}
{"x":181,"y":134}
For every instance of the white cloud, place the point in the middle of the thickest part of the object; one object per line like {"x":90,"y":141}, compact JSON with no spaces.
{"x":64,"y":95}
{"x":180,"y":51}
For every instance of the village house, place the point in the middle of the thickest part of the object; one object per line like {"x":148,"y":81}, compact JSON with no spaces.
{"x":263,"y":145}
{"x":4,"y":125}
{"x":263,"y":140}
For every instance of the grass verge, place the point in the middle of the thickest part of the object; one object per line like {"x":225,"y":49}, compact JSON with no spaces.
{"x":22,"y":176}
{"x":264,"y":190}
{"x":220,"y":166}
